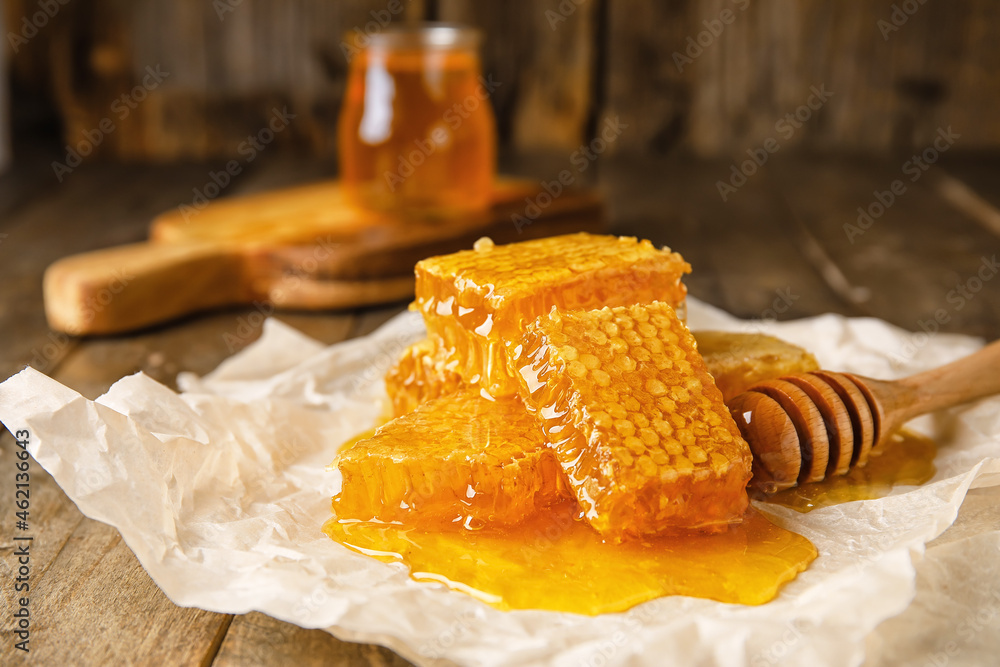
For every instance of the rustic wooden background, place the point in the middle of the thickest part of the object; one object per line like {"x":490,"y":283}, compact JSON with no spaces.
{"x":565,"y":65}
{"x":4,"y":112}
{"x":782,"y":233}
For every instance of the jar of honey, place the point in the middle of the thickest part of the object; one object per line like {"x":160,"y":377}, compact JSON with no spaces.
{"x":417,"y":131}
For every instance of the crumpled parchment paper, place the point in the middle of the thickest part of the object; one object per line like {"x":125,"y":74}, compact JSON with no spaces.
{"x":221,"y":492}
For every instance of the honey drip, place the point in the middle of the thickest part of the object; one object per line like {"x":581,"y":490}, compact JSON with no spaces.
{"x":904,"y":459}
{"x":554,"y":561}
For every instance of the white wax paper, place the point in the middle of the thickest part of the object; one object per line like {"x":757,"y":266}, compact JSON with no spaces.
{"x":221,"y":492}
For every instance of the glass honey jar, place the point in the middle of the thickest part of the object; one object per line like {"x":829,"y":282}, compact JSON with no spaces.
{"x":416,"y":130}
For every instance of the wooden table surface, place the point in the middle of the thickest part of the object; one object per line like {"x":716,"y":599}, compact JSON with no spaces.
{"x":779,"y":240}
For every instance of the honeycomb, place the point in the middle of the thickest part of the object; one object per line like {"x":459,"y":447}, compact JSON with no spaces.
{"x":476,"y":302}
{"x":738,"y":361}
{"x":461,"y":460}
{"x":421,"y":374}
{"x":637,"y":424}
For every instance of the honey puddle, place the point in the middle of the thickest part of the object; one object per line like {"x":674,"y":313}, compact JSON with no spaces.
{"x":906,"y":459}
{"x":555,"y":562}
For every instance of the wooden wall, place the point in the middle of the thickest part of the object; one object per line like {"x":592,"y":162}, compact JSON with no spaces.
{"x":565,"y":67}
{"x":4,"y":112}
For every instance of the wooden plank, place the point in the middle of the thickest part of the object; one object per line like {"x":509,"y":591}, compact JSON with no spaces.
{"x":19,"y":186}
{"x":96,"y":588}
{"x":542,"y":54}
{"x":964,"y":53}
{"x":52,"y":520}
{"x":5,"y":134}
{"x":643,"y":85}
{"x":81,"y":217}
{"x":920,"y":257}
{"x":197,"y":344}
{"x":686,"y":78}
{"x":675,"y":70}
{"x":77,"y":215}
{"x":229,"y":64}
{"x":255,"y":639}
{"x":741,"y":250}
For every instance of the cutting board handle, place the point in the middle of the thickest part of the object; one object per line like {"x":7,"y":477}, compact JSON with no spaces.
{"x":298,"y":248}
{"x":133,"y":286}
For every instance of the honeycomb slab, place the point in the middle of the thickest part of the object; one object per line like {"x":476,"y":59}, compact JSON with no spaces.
{"x":461,"y":460}
{"x":423,"y":372}
{"x":635,"y":419}
{"x":738,"y":361}
{"x":477,"y":302}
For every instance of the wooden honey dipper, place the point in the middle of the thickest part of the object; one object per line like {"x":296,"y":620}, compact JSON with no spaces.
{"x":802,"y":428}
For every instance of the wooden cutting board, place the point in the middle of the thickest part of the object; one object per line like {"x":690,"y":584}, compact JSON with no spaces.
{"x":297,"y":248}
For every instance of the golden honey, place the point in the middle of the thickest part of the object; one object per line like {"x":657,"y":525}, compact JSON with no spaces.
{"x":461,"y":460}
{"x":636,"y":421}
{"x":904,"y":459}
{"x":423,"y":372}
{"x":556,"y":562}
{"x":477,"y":302}
{"x":416,"y":130}
{"x":738,"y":361}
{"x":549,"y":453}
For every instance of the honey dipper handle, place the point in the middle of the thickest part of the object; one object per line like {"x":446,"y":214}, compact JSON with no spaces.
{"x":967,"y":379}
